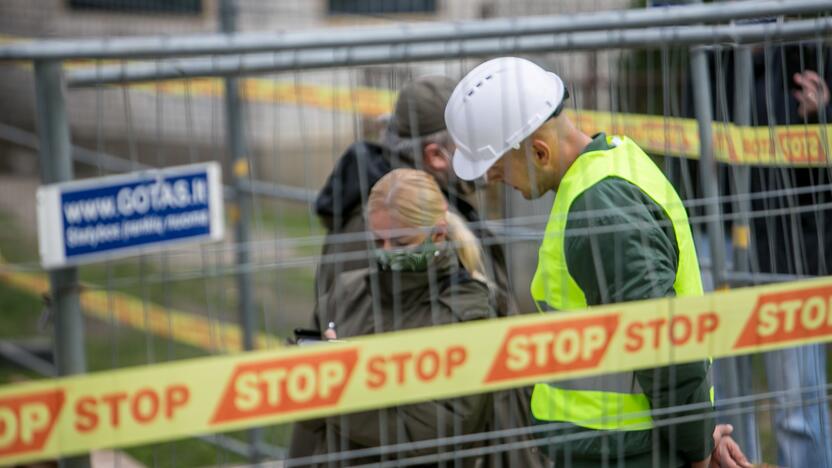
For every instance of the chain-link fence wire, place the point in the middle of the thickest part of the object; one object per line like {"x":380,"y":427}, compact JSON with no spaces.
{"x":341,"y":441}
{"x":555,"y":433}
{"x":298,"y":144}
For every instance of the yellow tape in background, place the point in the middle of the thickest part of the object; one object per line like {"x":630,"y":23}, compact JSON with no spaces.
{"x":364,"y":101}
{"x":794,"y":145}
{"x":181,"y":326}
{"x":141,"y":405}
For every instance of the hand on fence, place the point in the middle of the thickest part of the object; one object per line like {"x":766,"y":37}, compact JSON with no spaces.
{"x":727,"y":453}
{"x":812,"y":95}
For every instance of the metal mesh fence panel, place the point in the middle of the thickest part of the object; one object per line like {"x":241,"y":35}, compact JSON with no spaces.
{"x":306,"y":247}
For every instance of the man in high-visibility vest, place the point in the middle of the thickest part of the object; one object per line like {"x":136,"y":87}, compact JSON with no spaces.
{"x":617,"y":232}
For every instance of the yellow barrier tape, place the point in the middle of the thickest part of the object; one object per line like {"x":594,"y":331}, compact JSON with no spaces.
{"x":368,"y":102}
{"x":795,"y":145}
{"x":141,"y":405}
{"x":184,"y":327}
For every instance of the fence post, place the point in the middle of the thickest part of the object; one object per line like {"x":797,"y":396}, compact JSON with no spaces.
{"x":240,"y":210}
{"x":707,"y":166}
{"x":56,"y":166}
{"x":729,"y":373}
{"x":745,"y":426}
{"x":741,"y":232}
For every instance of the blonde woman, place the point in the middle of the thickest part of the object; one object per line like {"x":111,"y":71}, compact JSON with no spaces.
{"x":428,"y":271}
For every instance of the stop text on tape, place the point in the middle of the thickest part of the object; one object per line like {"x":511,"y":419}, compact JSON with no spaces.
{"x":128,"y":407}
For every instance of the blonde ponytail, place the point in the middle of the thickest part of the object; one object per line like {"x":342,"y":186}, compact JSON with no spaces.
{"x":467,"y":246}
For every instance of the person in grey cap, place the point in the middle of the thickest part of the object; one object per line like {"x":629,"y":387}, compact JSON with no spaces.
{"x":415,"y":138}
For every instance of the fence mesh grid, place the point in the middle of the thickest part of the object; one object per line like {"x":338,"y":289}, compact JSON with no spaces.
{"x":296,"y":128}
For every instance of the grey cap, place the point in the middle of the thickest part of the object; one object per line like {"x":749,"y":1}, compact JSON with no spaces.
{"x":420,"y":109}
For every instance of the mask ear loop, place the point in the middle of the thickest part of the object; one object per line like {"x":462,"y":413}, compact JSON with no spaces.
{"x":429,"y":243}
{"x":441,"y":227}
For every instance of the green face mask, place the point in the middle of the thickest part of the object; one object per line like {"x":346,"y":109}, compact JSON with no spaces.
{"x":411,"y":259}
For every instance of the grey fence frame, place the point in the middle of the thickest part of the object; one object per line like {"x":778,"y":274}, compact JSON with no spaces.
{"x":242,"y":43}
{"x":269,"y":52}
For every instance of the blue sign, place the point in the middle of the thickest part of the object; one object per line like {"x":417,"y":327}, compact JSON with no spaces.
{"x":99,"y":218}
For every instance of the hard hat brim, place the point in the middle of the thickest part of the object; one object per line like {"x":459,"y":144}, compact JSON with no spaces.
{"x":466,"y":169}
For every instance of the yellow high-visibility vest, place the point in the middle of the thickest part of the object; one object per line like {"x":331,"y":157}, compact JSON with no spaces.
{"x":609,"y":402}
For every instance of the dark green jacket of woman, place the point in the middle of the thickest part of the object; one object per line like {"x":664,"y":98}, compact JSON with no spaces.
{"x":369,"y":301}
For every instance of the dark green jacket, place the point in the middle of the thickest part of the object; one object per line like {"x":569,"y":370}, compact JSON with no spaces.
{"x":367,"y":301}
{"x":620,"y":247}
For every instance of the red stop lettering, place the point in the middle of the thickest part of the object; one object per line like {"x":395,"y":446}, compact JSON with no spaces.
{"x":425,"y":366}
{"x":143,"y":406}
{"x":677,"y":331}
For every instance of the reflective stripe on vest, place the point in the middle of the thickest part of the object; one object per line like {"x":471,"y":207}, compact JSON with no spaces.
{"x":603,"y":411}
{"x":606,"y":404}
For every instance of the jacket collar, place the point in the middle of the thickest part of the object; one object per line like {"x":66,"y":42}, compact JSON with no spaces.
{"x":399,"y":283}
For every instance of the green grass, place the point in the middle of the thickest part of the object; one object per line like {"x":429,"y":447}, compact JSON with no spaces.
{"x":110,"y":346}
{"x":115,"y":347}
{"x":118,"y":347}
{"x":19,"y":313}
{"x":107,"y":348}
{"x":289,"y":220}
{"x":189,"y":452}
{"x":186,"y":294}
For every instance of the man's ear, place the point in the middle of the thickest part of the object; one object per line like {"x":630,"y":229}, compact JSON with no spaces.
{"x":435,"y":159}
{"x":541,"y":152}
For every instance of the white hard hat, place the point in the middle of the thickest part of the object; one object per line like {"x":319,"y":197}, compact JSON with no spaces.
{"x":495,"y":107}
